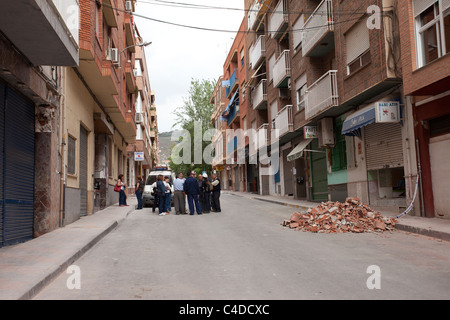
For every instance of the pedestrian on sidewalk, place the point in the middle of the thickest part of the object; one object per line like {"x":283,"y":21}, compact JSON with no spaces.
{"x":154,"y":191}
{"x":215,"y":197}
{"x":161,"y":193}
{"x":167,"y":206}
{"x":192,"y":191}
{"x":122,"y":194}
{"x":139,"y":191}
{"x":179,"y":195}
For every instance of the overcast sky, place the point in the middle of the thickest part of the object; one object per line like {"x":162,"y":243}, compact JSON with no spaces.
{"x":178,"y":54}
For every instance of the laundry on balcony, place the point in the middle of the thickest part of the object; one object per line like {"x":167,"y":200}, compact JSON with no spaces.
{"x":231,"y":109}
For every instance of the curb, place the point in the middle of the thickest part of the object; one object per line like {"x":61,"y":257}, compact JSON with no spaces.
{"x":403,"y":227}
{"x":77,"y":255}
{"x":422,"y":231}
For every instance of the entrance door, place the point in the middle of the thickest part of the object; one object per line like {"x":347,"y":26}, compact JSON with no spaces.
{"x":288,"y":174}
{"x":83,"y":171}
{"x":319,"y":188}
{"x":16,"y":168}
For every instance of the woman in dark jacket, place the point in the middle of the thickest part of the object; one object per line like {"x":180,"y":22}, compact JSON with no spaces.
{"x":122,"y":195}
{"x":161,"y":193}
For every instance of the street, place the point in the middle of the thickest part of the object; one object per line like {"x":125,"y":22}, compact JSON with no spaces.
{"x":244,"y":253}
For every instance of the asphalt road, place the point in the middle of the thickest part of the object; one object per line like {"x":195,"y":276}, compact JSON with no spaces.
{"x":244,"y":253}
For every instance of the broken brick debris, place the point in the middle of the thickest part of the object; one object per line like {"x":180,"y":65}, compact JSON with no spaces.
{"x":333,"y":217}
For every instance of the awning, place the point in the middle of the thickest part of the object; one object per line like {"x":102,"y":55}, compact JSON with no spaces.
{"x":354,"y":122}
{"x":297,"y":152}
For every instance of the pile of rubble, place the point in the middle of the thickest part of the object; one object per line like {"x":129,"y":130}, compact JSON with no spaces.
{"x":334,"y":217}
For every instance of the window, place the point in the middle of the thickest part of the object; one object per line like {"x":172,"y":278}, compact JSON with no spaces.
{"x":300,"y":92}
{"x":71,"y":152}
{"x":242,"y":57}
{"x":271,"y":64}
{"x":298,"y":33}
{"x":357,"y":44}
{"x":432,"y":29}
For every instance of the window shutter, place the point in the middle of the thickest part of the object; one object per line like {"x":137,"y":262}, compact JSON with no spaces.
{"x":357,"y":40}
{"x":420,"y":6}
{"x":298,"y":33}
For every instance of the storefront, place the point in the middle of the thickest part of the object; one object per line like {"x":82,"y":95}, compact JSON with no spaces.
{"x":379,"y":126}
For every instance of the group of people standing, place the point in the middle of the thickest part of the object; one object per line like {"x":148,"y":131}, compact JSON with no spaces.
{"x":203,"y":194}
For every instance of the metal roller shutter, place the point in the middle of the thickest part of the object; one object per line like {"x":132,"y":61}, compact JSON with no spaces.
{"x":2,"y":138}
{"x":18,"y":174}
{"x":384,"y":147}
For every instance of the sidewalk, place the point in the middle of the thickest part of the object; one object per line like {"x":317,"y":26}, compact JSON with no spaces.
{"x":431,"y":227}
{"x":28,"y":267}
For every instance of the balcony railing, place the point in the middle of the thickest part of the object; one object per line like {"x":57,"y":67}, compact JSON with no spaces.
{"x":322,"y":95}
{"x":318,"y":38}
{"x":233,"y":82}
{"x":278,"y":20}
{"x":253,"y":15}
{"x":234,"y":114}
{"x":258,"y":52}
{"x":262,"y":136}
{"x":259,"y":95}
{"x":284,"y":122}
{"x":282,"y":70}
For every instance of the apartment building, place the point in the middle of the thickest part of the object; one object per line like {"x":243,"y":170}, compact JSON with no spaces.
{"x":100,"y":107}
{"x":139,"y":153}
{"x":425,"y":43}
{"x":235,"y":113}
{"x":327,"y":76}
{"x":30,"y":107}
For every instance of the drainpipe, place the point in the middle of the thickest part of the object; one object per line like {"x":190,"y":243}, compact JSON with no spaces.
{"x":62,"y":172}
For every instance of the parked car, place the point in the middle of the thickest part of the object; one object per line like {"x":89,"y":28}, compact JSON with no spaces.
{"x":147,"y":197}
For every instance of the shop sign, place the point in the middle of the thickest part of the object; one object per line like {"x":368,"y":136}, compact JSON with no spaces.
{"x":387,"y":111}
{"x":139,"y":156}
{"x":310,"y":132}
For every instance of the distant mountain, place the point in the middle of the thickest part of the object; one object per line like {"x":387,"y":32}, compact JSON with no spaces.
{"x":165,"y":144}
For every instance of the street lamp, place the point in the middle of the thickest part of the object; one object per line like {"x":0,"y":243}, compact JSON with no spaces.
{"x":137,"y":45}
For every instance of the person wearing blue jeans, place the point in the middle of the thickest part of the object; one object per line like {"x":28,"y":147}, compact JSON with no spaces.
{"x":192,"y":190}
{"x":168,"y":195}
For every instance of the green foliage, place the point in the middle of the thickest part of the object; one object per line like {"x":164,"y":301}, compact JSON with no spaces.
{"x":195,"y":108}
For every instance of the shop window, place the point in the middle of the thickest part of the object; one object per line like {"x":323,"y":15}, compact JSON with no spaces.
{"x":71,"y":155}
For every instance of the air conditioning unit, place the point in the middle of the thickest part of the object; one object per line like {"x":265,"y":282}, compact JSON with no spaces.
{"x":129,"y":6}
{"x":114,"y":55}
{"x":139,"y":117}
{"x":325,"y":133}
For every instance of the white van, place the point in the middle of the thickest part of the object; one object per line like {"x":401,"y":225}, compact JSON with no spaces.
{"x":147,"y":197}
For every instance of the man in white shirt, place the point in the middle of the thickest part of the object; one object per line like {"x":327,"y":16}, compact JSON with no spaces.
{"x":179,"y":200}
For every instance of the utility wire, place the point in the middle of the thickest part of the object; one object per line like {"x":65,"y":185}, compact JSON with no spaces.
{"x":220,"y":30}
{"x":199,"y":6}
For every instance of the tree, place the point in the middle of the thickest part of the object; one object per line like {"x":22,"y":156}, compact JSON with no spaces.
{"x":196,"y":109}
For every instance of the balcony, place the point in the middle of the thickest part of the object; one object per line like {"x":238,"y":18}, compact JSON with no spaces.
{"x":109,"y":13}
{"x":258,"y":52}
{"x":130,"y":78}
{"x":278,"y":20}
{"x":318,"y":38}
{"x":232,"y":145}
{"x":46,"y":32}
{"x":322,"y":95}
{"x":284,"y":122}
{"x":262,"y":136}
{"x":234,"y":114}
{"x":129,"y":33}
{"x":259,"y":96}
{"x":233,"y":83}
{"x":282,"y":70}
